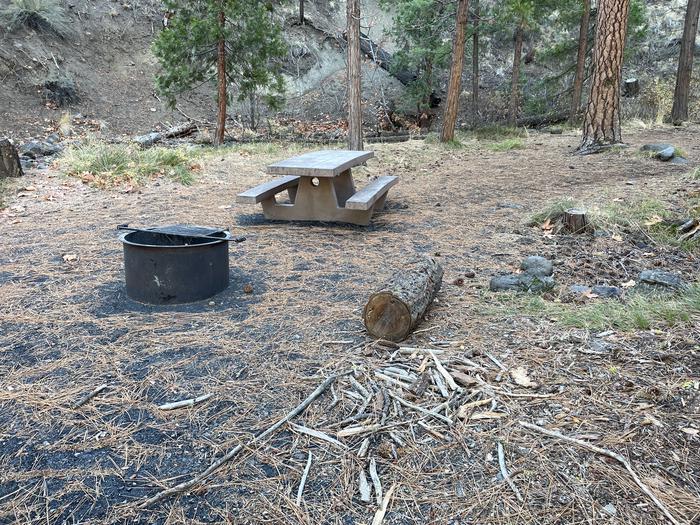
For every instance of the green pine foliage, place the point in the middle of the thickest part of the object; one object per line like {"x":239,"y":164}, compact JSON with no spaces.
{"x":422,"y":30}
{"x":187,"y":48}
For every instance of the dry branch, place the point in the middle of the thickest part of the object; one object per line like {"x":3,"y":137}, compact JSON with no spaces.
{"x":188,"y":485}
{"x":610,"y":454}
{"x":381,"y":511}
{"x":303,"y":480}
{"x":185,"y":402}
{"x":82,"y":401}
{"x":504,"y":472}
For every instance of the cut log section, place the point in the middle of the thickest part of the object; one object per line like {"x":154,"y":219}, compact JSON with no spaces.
{"x":395,"y":310}
{"x":10,"y":165}
{"x":575,"y":221}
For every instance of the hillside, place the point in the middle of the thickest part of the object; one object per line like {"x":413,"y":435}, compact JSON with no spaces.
{"x":107,"y":63}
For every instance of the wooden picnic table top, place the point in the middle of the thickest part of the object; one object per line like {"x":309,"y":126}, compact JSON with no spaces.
{"x":324,"y":163}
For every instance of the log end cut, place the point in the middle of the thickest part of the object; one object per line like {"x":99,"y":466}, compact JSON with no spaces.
{"x":387,"y":317}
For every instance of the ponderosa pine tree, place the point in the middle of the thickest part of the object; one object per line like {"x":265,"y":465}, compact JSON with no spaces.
{"x":233,"y":42}
{"x":454,"y":87}
{"x":679,"y":113}
{"x":580,"y":60}
{"x":601,"y":127}
{"x":354,"y":76}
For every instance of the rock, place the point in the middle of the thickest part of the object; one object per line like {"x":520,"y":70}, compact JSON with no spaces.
{"x":556,"y":131}
{"x":505,"y":283}
{"x":537,"y":266}
{"x":10,"y":165}
{"x":579,"y":289}
{"x":656,"y":147}
{"x":661,"y":279}
{"x":607,"y":291}
{"x":36,"y":149}
{"x":666,"y":154}
{"x":679,"y":160}
{"x":522,"y":282}
{"x":53,"y":138}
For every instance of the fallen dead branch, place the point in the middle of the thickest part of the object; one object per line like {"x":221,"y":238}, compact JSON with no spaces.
{"x":381,"y":511}
{"x":302,"y":483}
{"x":187,"y":485}
{"x":505,"y":474}
{"x":185,"y":402}
{"x":318,"y":434}
{"x":82,"y":401}
{"x":609,"y":453}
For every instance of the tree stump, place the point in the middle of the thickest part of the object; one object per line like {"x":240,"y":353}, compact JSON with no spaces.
{"x":397,"y":308}
{"x":9,"y":160}
{"x":575,"y":221}
{"x":631,"y":87}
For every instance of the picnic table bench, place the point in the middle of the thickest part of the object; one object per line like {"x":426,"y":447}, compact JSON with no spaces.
{"x":320,"y":188}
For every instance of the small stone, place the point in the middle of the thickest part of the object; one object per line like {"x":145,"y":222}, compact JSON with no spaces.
{"x":212,"y":303}
{"x":458,"y":282}
{"x":469,"y":274}
{"x":606,"y":291}
{"x":505,"y":283}
{"x":579,"y":289}
{"x":678,"y":160}
{"x":666,"y":154}
{"x":35,"y":149}
{"x":661,"y":279}
{"x":556,"y":131}
{"x":248,"y":288}
{"x":537,"y":266}
{"x":656,"y":147}
{"x":610,"y":509}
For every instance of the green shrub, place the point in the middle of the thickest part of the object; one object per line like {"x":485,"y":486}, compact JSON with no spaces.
{"x":40,"y":15}
{"x":107,"y":165}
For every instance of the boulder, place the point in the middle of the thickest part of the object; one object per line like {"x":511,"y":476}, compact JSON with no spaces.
{"x":36,"y":149}
{"x":505,"y":283}
{"x":537,"y":266}
{"x":666,"y":154}
{"x":521,"y":282}
{"x":679,"y":160}
{"x":655,"y":148}
{"x":10,"y":165}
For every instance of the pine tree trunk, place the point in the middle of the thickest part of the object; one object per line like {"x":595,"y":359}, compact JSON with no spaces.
{"x":354,"y":76}
{"x":301,"y":12}
{"x":679,"y":114}
{"x":454,"y":87}
{"x":601,"y":126}
{"x":515,"y":82}
{"x":475,"y":64}
{"x":580,"y":61}
{"x":221,"y":74}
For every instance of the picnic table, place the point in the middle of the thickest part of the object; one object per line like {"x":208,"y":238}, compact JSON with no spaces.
{"x":320,"y":187}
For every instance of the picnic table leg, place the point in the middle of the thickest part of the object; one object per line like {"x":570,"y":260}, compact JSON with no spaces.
{"x":344,"y":187}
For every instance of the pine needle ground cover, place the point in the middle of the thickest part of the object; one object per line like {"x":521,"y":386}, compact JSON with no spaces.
{"x":292,"y":317}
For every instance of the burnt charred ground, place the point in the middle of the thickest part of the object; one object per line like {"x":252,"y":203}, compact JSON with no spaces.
{"x":67,"y":327}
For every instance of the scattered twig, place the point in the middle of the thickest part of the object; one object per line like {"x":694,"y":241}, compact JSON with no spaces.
{"x":381,"y":511}
{"x":495,"y":361}
{"x":365,"y":489}
{"x":303,"y":480}
{"x":318,"y":434}
{"x":185,"y":402}
{"x":375,"y":480}
{"x":361,"y":429}
{"x":448,"y":378}
{"x":504,"y":472}
{"x":187,"y":485}
{"x":609,"y":453}
{"x":408,"y":404}
{"x":82,"y":401}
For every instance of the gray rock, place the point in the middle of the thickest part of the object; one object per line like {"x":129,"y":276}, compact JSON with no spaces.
{"x":666,"y":154}
{"x":53,"y":138}
{"x":662,"y":279}
{"x":579,"y":289}
{"x":656,"y":147}
{"x":679,"y":160}
{"x":522,"y":282}
{"x":537,"y":266}
{"x":505,"y":282}
{"x":36,"y":149}
{"x":606,"y":291}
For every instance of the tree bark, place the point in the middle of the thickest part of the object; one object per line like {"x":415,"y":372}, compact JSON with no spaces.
{"x":515,"y":82}
{"x":575,"y":221}
{"x":301,"y":12}
{"x":454,"y":87}
{"x":679,"y":114}
{"x":10,"y":166}
{"x":580,"y":61}
{"x":221,"y":74}
{"x":354,"y":76}
{"x":601,"y":126}
{"x":396,"y":309}
{"x":475,"y":63}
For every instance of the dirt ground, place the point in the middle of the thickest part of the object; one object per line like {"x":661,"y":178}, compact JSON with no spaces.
{"x":66,"y":327}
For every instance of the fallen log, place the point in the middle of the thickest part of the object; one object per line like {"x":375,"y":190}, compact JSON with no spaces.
{"x":181,"y":130}
{"x":10,"y":165}
{"x":397,"y":308}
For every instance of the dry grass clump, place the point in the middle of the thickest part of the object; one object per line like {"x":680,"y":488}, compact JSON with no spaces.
{"x":107,"y":165}
{"x":41,"y":15}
